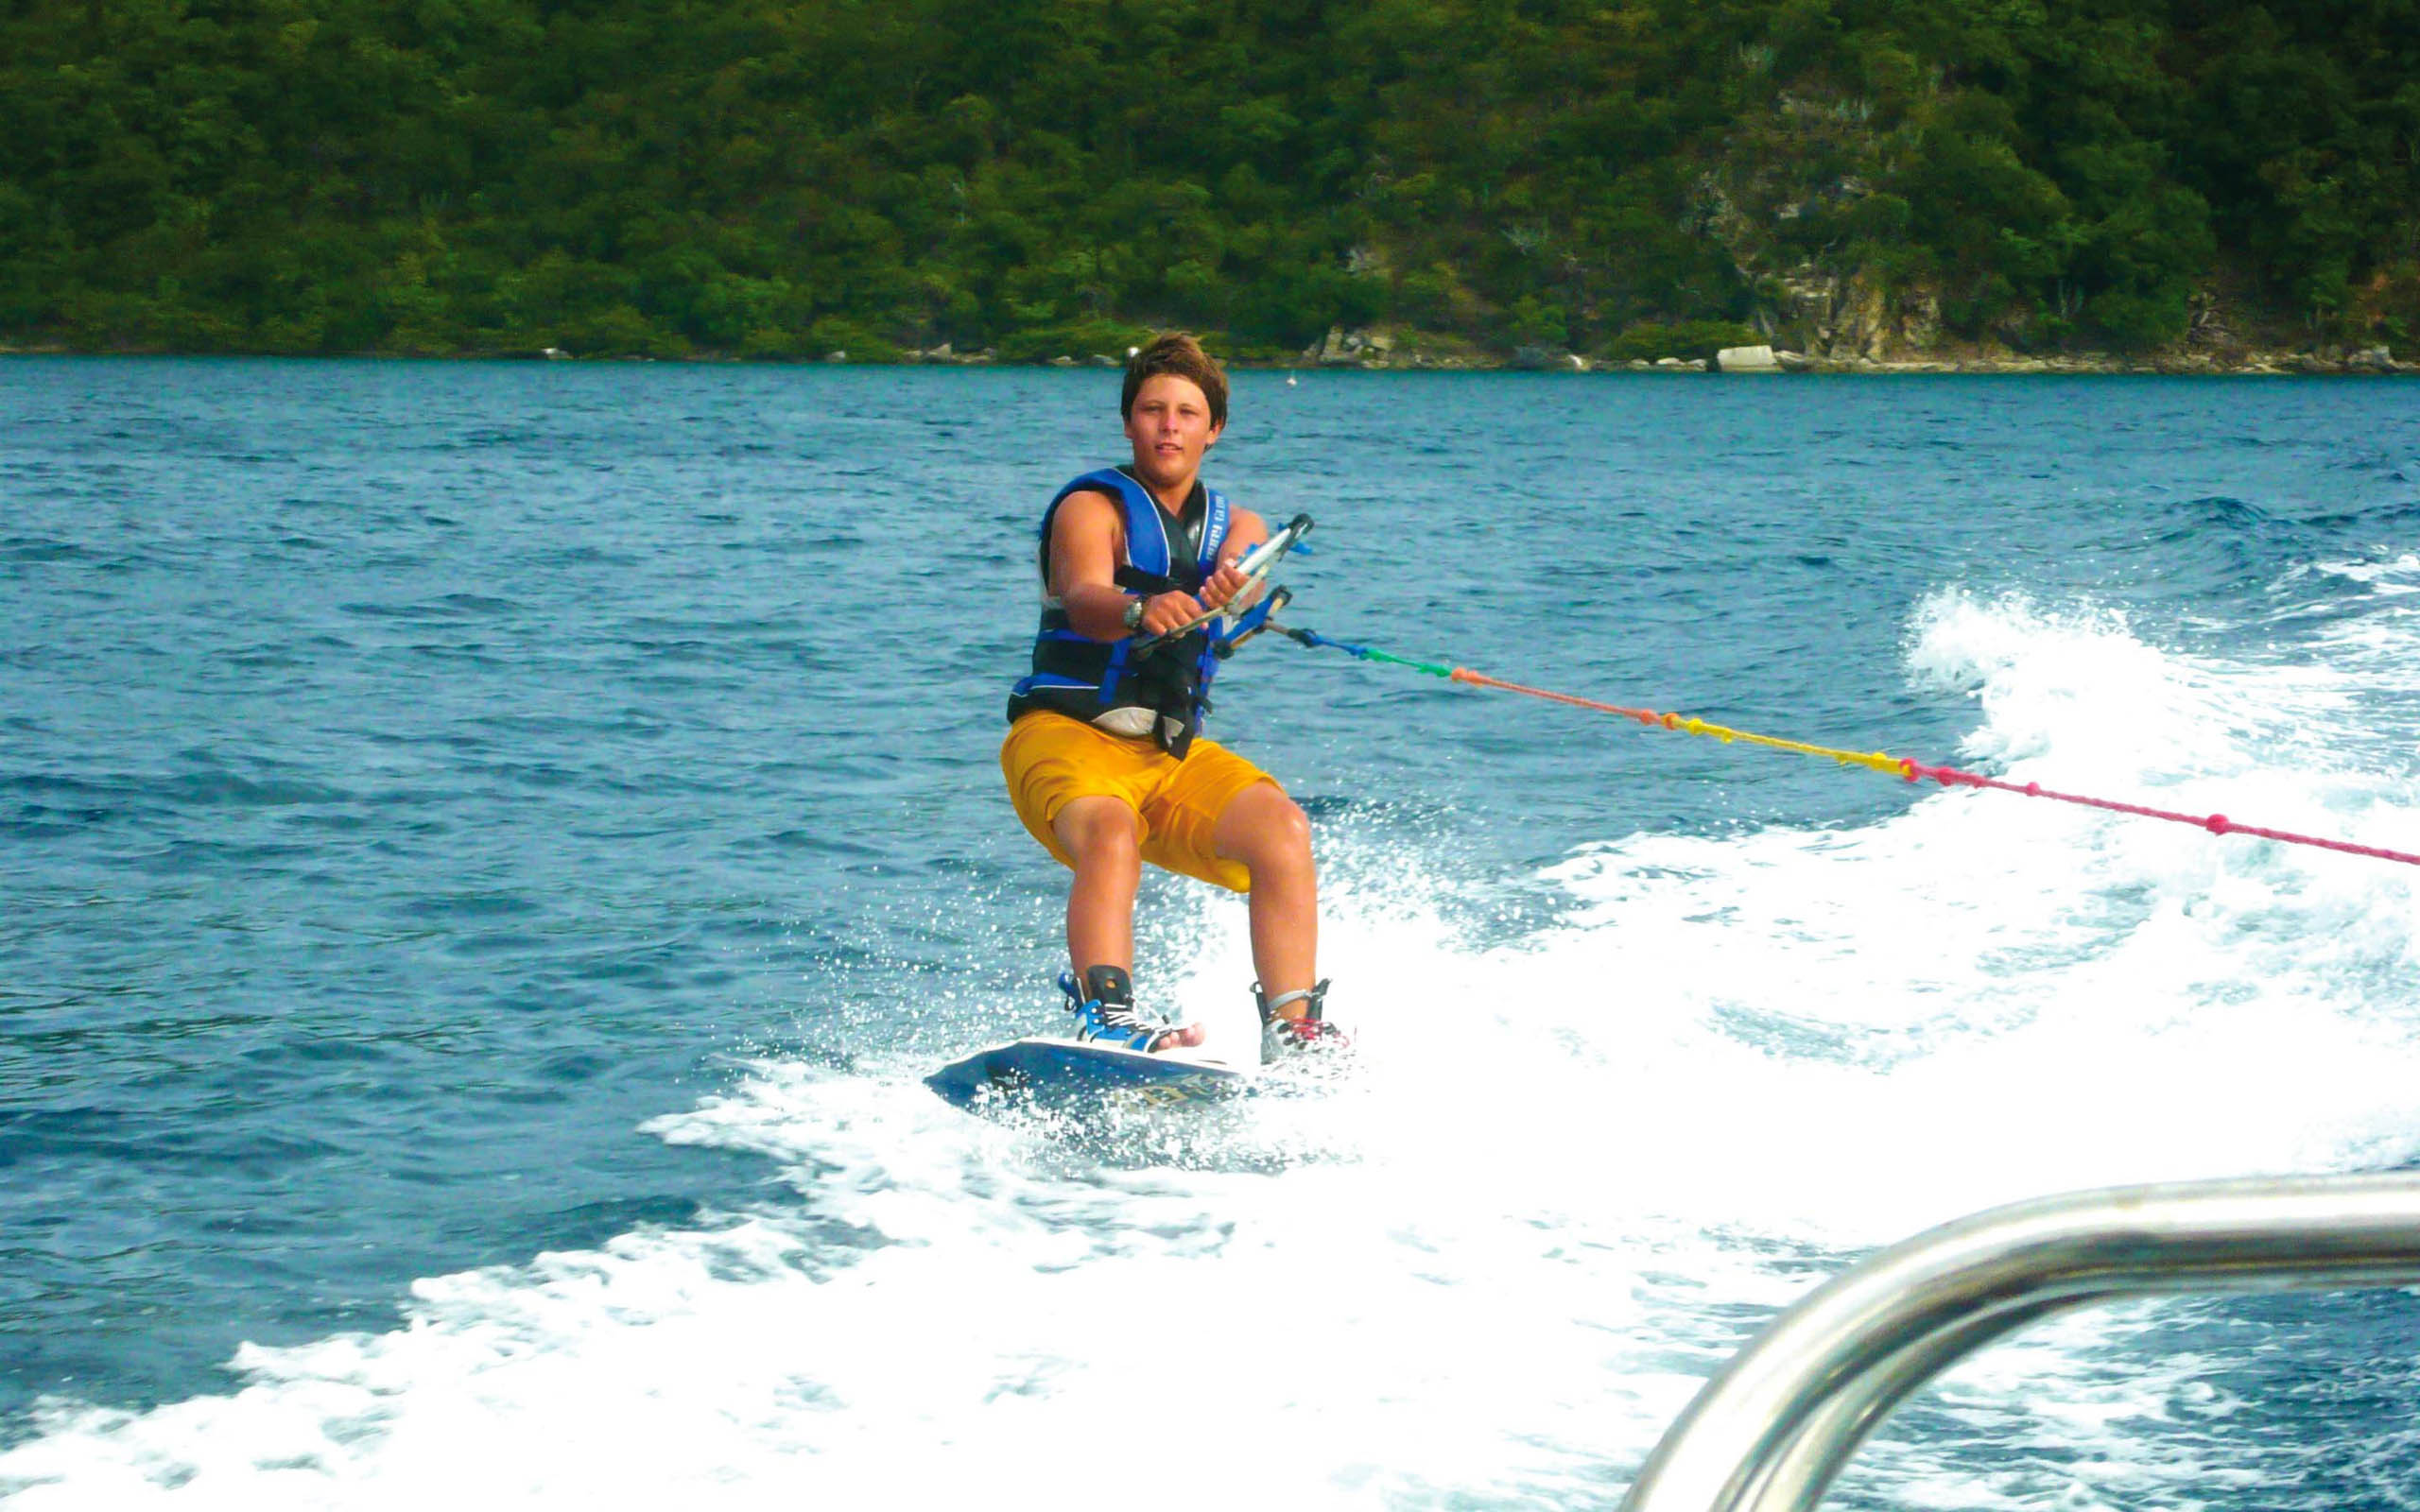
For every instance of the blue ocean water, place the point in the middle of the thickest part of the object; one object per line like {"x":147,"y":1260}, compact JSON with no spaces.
{"x":486,"y":852}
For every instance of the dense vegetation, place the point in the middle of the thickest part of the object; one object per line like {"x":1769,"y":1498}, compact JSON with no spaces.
{"x":788,"y":176}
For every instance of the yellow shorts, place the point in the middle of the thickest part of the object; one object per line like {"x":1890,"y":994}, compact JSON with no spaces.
{"x":1052,"y":760}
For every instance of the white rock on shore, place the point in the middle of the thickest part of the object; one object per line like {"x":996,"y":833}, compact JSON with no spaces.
{"x":1746,"y":359}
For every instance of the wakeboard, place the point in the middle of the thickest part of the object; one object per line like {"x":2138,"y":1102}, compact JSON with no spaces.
{"x":1047,"y":1071}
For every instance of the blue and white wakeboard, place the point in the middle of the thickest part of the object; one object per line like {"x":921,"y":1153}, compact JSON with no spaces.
{"x":1048,"y":1071}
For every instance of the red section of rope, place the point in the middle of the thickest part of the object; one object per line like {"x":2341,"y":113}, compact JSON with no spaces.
{"x":2214,"y":823}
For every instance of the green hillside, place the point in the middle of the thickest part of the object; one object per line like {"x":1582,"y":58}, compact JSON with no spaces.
{"x":780,"y":180}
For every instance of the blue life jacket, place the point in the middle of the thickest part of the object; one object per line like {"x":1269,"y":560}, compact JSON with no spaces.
{"x":1084,"y":679}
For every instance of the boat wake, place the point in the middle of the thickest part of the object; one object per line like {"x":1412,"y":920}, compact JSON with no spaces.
{"x":1576,"y":1168}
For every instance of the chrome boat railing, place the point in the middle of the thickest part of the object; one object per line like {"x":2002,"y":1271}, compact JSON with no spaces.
{"x":1774,"y":1425}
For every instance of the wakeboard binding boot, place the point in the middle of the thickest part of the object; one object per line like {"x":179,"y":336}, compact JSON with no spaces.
{"x":1103,"y":1004}
{"x":1283,"y":1037}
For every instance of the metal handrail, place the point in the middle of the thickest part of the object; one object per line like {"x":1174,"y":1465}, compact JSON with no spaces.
{"x":1774,"y":1426}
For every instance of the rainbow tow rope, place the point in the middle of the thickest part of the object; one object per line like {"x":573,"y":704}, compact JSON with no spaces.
{"x":1877,"y":761}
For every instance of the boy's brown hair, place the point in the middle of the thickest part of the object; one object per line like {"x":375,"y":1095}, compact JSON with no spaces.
{"x":1178,"y":356}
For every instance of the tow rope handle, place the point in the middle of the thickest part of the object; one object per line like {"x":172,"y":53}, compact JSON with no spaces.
{"x":1255,"y":565}
{"x":1252,"y":622}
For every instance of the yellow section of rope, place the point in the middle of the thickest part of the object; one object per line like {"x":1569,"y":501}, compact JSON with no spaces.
{"x":1878,"y":761}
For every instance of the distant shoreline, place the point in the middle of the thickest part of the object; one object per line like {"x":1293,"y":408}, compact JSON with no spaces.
{"x":2373,"y":363}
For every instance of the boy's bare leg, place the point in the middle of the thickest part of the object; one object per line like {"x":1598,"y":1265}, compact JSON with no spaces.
{"x":1104,"y":837}
{"x":1101,"y":832}
{"x":1266,"y":831}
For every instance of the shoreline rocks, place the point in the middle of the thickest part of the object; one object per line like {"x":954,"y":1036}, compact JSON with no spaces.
{"x":1766,"y":360}
{"x":1382,"y":352}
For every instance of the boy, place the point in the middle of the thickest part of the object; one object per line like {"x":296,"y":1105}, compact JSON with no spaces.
{"x":1103,"y":758}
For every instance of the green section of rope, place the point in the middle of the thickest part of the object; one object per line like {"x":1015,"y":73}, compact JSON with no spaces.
{"x":1429,"y":667}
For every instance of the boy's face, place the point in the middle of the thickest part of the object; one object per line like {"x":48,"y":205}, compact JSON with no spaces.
{"x":1171,"y":428}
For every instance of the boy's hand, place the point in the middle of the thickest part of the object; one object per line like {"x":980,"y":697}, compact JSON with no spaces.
{"x":1165,"y":614}
{"x":1228,"y":587}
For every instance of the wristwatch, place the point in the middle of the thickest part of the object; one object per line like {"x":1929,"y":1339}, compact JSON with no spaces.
{"x":1134,"y":614}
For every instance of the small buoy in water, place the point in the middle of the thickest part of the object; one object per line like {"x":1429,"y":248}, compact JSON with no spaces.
{"x":1290,"y":380}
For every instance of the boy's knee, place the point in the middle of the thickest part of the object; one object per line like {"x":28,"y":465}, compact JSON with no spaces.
{"x":1275,"y":831}
{"x":1291,"y":828}
{"x":1097,"y":829}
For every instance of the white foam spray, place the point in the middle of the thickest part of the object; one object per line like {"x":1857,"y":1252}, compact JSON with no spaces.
{"x":1572,"y":1172}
